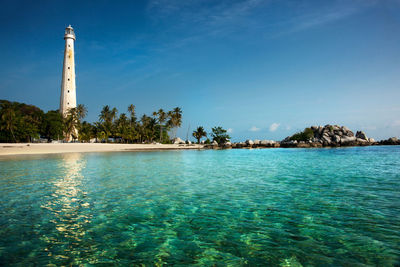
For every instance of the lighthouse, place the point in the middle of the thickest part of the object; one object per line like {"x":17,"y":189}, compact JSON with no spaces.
{"x":68,"y":86}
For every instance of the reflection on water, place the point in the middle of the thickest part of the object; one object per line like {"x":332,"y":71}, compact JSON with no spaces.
{"x":69,"y":208}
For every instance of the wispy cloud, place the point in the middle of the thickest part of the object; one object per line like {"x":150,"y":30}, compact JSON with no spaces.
{"x":230,"y":130}
{"x":315,"y":17}
{"x":206,"y":18}
{"x":222,"y":18}
{"x":274,"y":126}
{"x":254,"y":129}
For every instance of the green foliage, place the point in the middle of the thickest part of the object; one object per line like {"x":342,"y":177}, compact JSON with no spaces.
{"x":220,"y":135}
{"x":305,"y":135}
{"x":19,"y":122}
{"x":52,"y":126}
{"x":72,"y":121}
{"x":161,"y":117}
{"x":130,"y":130}
{"x":175,"y":119}
{"x":22,"y":123}
{"x":86,"y":132}
{"x":199,"y":133}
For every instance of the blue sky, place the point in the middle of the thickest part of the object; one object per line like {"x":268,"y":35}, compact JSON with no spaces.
{"x":262,"y":69}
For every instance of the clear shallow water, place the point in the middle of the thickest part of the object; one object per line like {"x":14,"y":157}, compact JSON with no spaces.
{"x":314,"y":207}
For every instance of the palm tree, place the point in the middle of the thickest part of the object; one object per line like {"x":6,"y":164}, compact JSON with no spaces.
{"x":199,"y":133}
{"x":107,"y":116}
{"x":175,"y":120}
{"x":104,"y":113}
{"x":132,"y":133}
{"x":131,"y":110}
{"x":98,"y":129}
{"x":147,"y":128}
{"x":122,"y":127}
{"x":73,"y":119}
{"x":162,"y":117}
{"x":81,"y":111}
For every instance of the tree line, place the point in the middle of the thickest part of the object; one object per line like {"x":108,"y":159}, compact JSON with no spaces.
{"x":20,"y":122}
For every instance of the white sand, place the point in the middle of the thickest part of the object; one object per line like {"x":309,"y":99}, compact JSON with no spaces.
{"x":24,"y":148}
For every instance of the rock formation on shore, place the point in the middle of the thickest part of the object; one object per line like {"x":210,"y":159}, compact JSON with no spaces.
{"x":314,"y":136}
{"x":393,"y":141}
{"x":327,"y":136}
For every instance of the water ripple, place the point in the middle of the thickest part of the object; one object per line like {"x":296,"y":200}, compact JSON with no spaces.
{"x":286,"y":207}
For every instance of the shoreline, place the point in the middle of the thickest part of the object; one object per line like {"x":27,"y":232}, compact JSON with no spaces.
{"x":13,"y":149}
{"x":10,"y":149}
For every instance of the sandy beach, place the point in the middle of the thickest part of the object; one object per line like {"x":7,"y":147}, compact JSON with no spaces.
{"x":33,"y":148}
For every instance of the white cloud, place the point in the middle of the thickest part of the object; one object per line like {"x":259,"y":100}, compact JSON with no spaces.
{"x":274,"y":126}
{"x":254,"y":129}
{"x":230,"y":130}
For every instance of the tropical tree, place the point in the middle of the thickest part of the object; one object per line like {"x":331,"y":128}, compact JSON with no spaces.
{"x":161,"y":118}
{"x":122,"y":127}
{"x":53,"y":125}
{"x":131,"y":110}
{"x":132,"y":132}
{"x":86,"y":131}
{"x":175,"y":119}
{"x":107,"y":117}
{"x":8,"y":119}
{"x":199,"y":133}
{"x":220,"y":135}
{"x":147,"y":128}
{"x":19,"y":122}
{"x":30,"y":120}
{"x":72,"y":121}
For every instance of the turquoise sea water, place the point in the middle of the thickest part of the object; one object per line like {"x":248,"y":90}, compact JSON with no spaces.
{"x":287,"y":207}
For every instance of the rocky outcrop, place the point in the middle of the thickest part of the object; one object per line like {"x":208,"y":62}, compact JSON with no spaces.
{"x":256,"y":144}
{"x":227,"y":145}
{"x":361,"y":135}
{"x":391,"y":141}
{"x":314,"y":136}
{"x":327,"y":136}
{"x":249,"y":143}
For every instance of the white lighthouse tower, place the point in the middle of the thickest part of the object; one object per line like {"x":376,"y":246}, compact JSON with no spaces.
{"x":68,"y":86}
